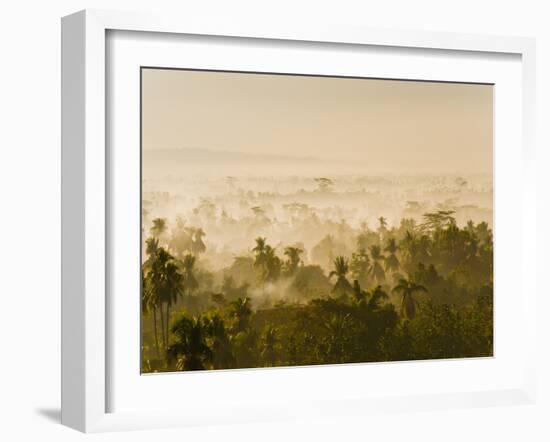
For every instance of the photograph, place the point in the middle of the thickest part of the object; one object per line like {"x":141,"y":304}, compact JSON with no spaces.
{"x":299,"y":220}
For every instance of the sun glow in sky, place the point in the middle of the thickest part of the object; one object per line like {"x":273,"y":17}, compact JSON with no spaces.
{"x":381,"y":125}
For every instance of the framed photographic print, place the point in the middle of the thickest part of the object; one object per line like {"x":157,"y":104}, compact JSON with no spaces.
{"x":251,"y":214}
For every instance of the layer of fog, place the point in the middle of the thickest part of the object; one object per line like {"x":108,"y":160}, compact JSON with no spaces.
{"x":322,"y":213}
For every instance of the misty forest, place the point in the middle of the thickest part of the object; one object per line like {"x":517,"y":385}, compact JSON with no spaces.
{"x":253,"y":270}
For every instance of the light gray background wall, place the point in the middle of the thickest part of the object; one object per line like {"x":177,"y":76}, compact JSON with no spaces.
{"x":30,"y":215}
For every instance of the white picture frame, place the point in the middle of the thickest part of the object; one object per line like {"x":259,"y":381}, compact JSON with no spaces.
{"x":86,"y":204}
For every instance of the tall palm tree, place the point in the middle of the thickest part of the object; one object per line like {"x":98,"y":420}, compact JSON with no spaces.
{"x":267,"y":263}
{"x":392,"y":263}
{"x":151,"y":246}
{"x":259,"y":252}
{"x":167,"y":283}
{"x":149,"y":303}
{"x":383,"y":223}
{"x":409,"y":246}
{"x":272,"y":264}
{"x":197,"y":245}
{"x":159,"y":227}
{"x":190,"y":350}
{"x":408,"y":288}
{"x":359,"y":295}
{"x":377,"y":270}
{"x":294,"y":259}
{"x":188,"y":271}
{"x":260,"y":246}
{"x":360,"y":265}
{"x":341,"y":268}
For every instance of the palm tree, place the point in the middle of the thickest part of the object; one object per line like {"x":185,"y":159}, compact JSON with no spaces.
{"x":159,"y":227}
{"x":222,"y":354}
{"x":151,"y":246}
{"x":266,"y":262}
{"x":273,"y":264}
{"x":167,"y":284}
{"x":294,"y":259}
{"x":259,"y":252}
{"x":359,"y":295}
{"x":341,"y":269}
{"x":260,"y":245}
{"x":188,"y":272}
{"x":149,"y":303}
{"x":360,"y":265}
{"x":392,"y":263}
{"x":241,"y":312}
{"x":197,"y":245}
{"x":408,"y":288}
{"x":409,"y":246}
{"x":377,"y":270}
{"x":383,"y":223}
{"x":189,"y":350}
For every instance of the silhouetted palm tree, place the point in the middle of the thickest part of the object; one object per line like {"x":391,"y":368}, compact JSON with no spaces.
{"x":409,"y":246}
{"x":166,"y":281}
{"x":188,"y":271}
{"x":377,"y":270}
{"x":189,"y":350}
{"x":149,"y":304}
{"x":392,"y":263}
{"x":259,"y":251}
{"x":272,"y":264}
{"x":341,"y":269}
{"x":267,"y":263}
{"x":360,"y":265}
{"x":151,"y":246}
{"x":408,"y":288}
{"x":159,"y":227}
{"x":294,"y":259}
{"x":359,"y":295}
{"x":197,"y":245}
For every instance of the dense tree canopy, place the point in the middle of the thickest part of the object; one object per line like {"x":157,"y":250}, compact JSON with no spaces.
{"x":417,"y":291}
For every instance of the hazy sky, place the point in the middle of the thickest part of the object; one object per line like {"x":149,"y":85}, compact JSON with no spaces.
{"x":376,"y":124}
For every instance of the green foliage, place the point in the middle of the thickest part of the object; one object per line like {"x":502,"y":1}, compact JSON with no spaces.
{"x":418,"y":292}
{"x":190,"y":351}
